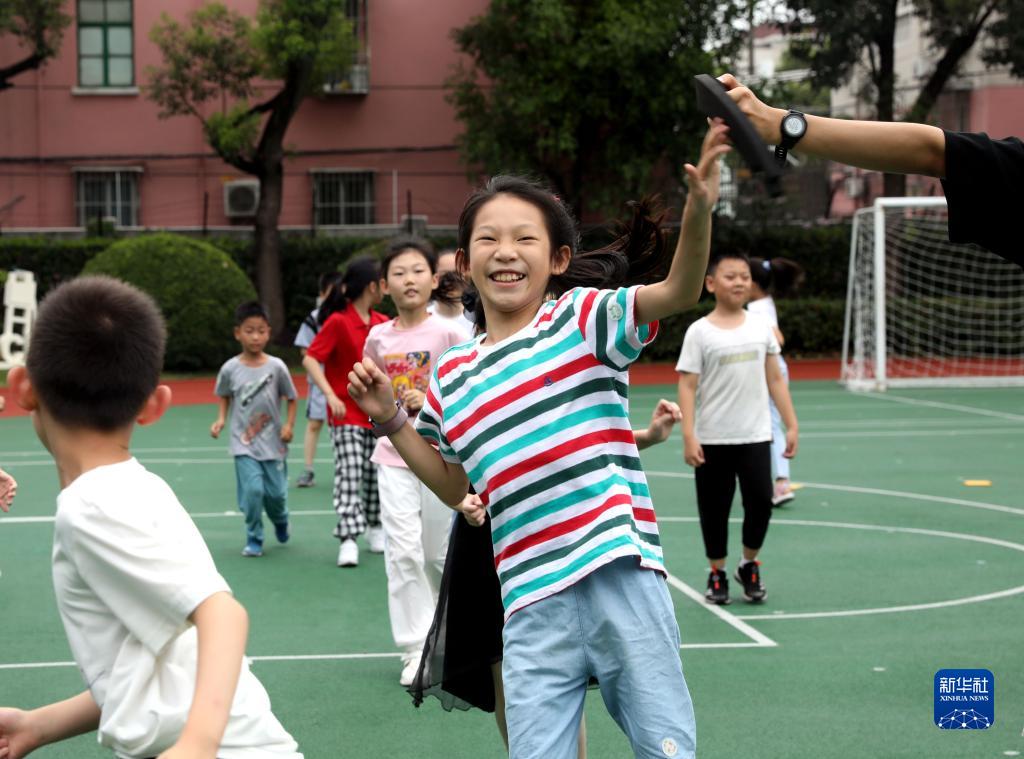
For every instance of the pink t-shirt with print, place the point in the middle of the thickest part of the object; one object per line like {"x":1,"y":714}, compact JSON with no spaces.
{"x":408,"y":357}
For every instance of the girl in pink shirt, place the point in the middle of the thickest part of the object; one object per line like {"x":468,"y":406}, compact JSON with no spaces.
{"x":416,"y":522}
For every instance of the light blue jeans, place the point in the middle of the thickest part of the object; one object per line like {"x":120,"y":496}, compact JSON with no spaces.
{"x":618,"y":625}
{"x":262,"y":485}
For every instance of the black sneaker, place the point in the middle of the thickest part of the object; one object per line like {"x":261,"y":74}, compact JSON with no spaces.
{"x":718,"y":588}
{"x":749,"y":576}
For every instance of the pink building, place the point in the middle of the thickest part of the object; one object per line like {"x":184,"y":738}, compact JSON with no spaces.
{"x":79,"y":140}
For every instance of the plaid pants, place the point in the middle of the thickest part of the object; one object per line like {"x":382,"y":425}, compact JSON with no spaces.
{"x":355,"y":481}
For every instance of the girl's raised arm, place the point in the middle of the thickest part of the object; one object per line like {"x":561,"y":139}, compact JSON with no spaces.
{"x":371,"y":389}
{"x":681,"y":288}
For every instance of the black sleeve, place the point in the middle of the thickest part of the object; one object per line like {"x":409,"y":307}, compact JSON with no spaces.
{"x":984,"y":187}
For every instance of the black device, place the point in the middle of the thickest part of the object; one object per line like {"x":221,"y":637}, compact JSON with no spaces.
{"x":792,"y":128}
{"x":714,"y":101}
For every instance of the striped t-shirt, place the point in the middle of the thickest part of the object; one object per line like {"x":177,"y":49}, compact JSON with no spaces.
{"x":540,"y":423}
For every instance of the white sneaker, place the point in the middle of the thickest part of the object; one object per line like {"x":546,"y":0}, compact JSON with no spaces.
{"x":375,"y":539}
{"x":412,"y":666}
{"x":348,"y":554}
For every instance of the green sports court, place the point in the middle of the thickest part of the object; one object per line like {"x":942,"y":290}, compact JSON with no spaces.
{"x":885,"y":569}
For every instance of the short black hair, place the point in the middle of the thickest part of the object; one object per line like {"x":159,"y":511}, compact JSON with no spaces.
{"x":400,"y":245}
{"x":96,"y":351}
{"x":250,"y":309}
{"x":727,"y":256}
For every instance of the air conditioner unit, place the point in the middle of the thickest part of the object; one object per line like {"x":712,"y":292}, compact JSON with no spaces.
{"x":241,"y":198}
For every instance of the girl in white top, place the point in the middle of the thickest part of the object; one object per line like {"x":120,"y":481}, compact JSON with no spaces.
{"x":781,"y":277}
{"x":728,"y":369}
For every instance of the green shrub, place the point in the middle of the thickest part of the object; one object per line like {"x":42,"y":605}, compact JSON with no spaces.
{"x":196,"y":285}
{"x":52,"y":261}
{"x":811,"y":326}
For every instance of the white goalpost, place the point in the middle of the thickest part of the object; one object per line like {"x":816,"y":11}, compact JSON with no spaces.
{"x":923,"y":311}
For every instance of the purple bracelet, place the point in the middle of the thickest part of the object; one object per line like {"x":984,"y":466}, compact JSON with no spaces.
{"x":392,"y":425}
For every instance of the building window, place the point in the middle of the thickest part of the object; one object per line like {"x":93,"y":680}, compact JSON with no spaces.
{"x":105,"y":57}
{"x":355,"y":81}
{"x":108,"y":194}
{"x":343,"y":197}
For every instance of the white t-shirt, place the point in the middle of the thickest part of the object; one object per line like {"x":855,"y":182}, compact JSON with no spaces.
{"x":732,"y":392}
{"x":765,"y":307}
{"x":129,"y":567}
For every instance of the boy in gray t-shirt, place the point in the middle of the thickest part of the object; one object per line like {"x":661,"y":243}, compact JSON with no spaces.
{"x":252,"y":384}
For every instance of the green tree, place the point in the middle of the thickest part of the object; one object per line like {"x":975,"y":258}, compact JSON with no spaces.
{"x":843,"y":34}
{"x":590,"y":94}
{"x":39,"y":26}
{"x":212,"y":67}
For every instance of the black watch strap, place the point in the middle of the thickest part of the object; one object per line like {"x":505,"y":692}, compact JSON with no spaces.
{"x":788,"y":142}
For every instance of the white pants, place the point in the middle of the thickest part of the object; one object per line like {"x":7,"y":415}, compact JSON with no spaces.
{"x":416,"y":526}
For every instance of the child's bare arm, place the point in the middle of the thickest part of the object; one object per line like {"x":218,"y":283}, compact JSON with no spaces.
{"x":8,"y":489}
{"x":693,"y":453}
{"x":681,"y":288}
{"x":316,"y":374}
{"x":223,"y":403}
{"x":371,"y":389}
{"x":288,"y":429}
{"x":22,"y":732}
{"x":222,"y":627}
{"x":664,"y":416}
{"x":783,"y":402}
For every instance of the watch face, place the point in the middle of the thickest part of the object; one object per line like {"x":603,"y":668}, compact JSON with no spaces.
{"x":793,"y":126}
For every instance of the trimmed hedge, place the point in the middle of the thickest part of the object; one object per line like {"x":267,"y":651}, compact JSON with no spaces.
{"x":811,"y":326}
{"x":812,"y":322}
{"x":196,"y":285}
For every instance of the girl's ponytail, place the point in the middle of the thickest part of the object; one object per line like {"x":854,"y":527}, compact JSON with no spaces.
{"x":778,"y":276}
{"x":359,"y":274}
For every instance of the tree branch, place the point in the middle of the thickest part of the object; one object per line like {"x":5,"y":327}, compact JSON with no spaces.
{"x":7,"y":73}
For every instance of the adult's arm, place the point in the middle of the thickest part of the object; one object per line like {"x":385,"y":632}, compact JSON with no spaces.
{"x":893,"y":146}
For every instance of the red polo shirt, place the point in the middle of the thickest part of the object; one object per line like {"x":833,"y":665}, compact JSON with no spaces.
{"x":338,"y":345}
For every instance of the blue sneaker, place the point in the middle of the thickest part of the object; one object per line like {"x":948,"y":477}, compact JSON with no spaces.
{"x":252,"y":548}
{"x":281,"y":532}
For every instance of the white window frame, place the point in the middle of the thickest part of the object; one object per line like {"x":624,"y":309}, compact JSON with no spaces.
{"x":365,"y":209}
{"x":113,"y":202}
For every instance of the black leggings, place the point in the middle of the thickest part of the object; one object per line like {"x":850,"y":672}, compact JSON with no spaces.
{"x":716,"y":485}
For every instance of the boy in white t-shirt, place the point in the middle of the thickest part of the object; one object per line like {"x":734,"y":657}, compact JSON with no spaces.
{"x":728,"y":368}
{"x":156,"y":634}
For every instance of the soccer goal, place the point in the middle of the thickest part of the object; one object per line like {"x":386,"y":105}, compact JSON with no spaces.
{"x":921,"y":310}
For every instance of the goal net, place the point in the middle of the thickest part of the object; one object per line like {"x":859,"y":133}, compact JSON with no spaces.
{"x":921,"y":310}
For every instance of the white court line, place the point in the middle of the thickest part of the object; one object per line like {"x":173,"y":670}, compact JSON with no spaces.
{"x":951,"y":432}
{"x":885,"y":609}
{"x":340,"y":657}
{"x":950,"y":407}
{"x":760,"y":640}
{"x":879,"y":491}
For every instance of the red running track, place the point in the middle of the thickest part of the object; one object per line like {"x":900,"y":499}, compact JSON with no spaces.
{"x":187,"y":392}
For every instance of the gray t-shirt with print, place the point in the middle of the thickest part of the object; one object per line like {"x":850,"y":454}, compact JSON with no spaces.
{"x":255,"y":393}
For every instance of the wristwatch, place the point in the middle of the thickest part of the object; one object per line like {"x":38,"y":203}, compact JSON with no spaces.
{"x":392,"y":425}
{"x":793,"y":128}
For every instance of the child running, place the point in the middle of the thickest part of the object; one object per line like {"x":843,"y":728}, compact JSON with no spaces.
{"x":728,"y":368}
{"x":416,"y":523}
{"x":345,"y":318}
{"x":462,"y":655}
{"x":316,"y":404}
{"x":533,"y":413}
{"x":156,"y":634}
{"x":252,"y":385}
{"x":768,"y":278}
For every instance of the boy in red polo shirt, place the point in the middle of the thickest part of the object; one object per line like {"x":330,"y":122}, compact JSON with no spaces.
{"x":346,"y":318}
